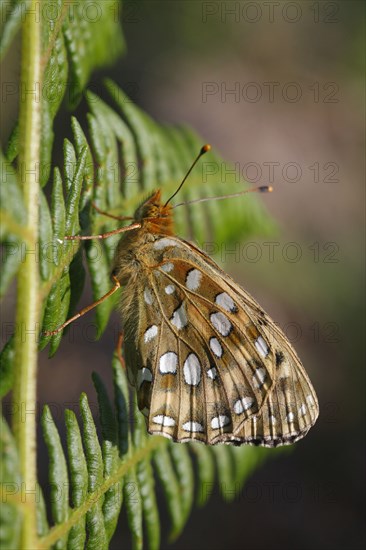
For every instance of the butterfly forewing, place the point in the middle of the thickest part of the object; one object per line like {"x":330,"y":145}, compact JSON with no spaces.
{"x":204,"y":357}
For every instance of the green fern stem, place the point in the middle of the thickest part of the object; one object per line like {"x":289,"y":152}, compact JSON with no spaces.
{"x":76,"y":514}
{"x":27,"y":311}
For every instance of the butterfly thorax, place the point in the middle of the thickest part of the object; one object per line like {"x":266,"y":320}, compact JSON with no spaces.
{"x":131,"y":259}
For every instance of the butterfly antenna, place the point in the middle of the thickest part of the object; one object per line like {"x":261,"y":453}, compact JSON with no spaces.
{"x":204,"y":150}
{"x":260,"y":189}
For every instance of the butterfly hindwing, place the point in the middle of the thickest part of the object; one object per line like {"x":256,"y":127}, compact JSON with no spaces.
{"x":292,"y":407}
{"x":205,"y":366}
{"x":289,"y":412}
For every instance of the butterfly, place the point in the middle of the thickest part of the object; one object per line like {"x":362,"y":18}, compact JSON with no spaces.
{"x":208,"y":364}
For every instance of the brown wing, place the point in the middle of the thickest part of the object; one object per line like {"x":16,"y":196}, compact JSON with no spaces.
{"x":207,"y":363}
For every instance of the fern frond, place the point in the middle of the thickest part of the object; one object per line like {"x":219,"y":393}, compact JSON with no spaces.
{"x":74,"y":44}
{"x":115,"y":158}
{"x":12,"y":230}
{"x":125,"y":155}
{"x":10,"y":483}
{"x":159,"y":156}
{"x":103,"y":472}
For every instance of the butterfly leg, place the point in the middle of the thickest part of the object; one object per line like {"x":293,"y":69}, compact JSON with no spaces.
{"x":120,"y":218}
{"x":135,"y":225}
{"x":118,"y":350}
{"x":110,"y":292}
{"x":117,"y":286}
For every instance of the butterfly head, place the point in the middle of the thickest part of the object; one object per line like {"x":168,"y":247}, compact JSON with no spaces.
{"x":155,"y":216}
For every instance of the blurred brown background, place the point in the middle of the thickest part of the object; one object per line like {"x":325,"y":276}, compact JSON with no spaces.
{"x":278,"y":88}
